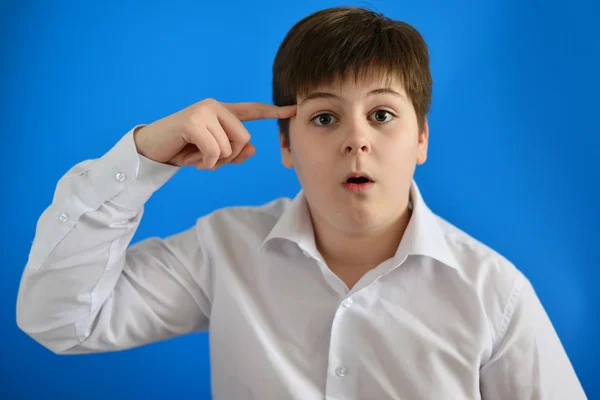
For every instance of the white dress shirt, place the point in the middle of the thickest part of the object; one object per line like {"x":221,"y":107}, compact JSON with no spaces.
{"x":445,"y":318}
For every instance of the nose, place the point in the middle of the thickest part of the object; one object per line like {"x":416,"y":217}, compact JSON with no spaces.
{"x":356,"y":142}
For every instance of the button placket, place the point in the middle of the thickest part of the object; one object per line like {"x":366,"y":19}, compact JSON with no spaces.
{"x":341,"y":382}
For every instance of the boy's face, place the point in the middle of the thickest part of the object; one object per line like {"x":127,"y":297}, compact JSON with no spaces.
{"x":359,"y":127}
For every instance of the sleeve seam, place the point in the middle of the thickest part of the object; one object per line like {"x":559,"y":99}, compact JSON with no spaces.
{"x":200,"y":236}
{"x":509,"y":310}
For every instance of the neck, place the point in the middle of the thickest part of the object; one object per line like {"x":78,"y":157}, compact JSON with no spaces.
{"x":360,"y":250}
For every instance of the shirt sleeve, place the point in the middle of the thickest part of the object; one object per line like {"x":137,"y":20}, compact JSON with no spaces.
{"x":85,"y":288}
{"x":529,"y":361}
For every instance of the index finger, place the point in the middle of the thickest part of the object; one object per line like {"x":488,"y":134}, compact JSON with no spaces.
{"x":255,"y":110}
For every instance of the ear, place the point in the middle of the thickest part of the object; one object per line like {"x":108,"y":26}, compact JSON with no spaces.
{"x":422,"y":143}
{"x":286,"y":151}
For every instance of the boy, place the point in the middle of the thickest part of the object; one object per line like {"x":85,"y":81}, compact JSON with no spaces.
{"x":354,"y":289}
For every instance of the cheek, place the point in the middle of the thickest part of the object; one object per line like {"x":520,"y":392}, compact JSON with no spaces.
{"x":309,"y":158}
{"x":308,"y":151}
{"x":312,"y":165}
{"x":398,"y":154}
{"x":402,"y":141}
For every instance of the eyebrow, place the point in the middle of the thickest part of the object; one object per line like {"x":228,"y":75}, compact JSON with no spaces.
{"x":328,"y":95}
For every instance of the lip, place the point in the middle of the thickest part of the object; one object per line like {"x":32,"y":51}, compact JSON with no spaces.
{"x":358,"y":187}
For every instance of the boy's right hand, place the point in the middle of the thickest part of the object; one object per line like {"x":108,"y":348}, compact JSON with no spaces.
{"x":207,"y":134}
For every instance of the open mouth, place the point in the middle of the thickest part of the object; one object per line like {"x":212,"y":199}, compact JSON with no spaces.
{"x":358,"y":183}
{"x":358,"y":180}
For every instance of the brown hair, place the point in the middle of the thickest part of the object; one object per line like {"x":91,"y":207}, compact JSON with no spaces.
{"x":334,"y":42}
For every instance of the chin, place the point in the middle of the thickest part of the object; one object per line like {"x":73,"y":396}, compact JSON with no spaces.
{"x":359,"y":221}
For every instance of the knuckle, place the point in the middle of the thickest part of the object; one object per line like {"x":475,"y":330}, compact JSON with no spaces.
{"x":209,"y":101}
{"x":203,"y":112}
{"x":204,"y":108}
{"x":242,"y":135}
{"x":227,"y":152}
{"x":212,"y":152}
{"x":245,"y":135}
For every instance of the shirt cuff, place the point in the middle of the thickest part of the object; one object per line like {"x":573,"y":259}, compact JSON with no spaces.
{"x":125,"y":177}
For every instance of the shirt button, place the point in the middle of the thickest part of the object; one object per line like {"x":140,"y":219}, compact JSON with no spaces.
{"x":121,"y":177}
{"x":348,"y":302}
{"x":341,"y":371}
{"x":63,"y":217}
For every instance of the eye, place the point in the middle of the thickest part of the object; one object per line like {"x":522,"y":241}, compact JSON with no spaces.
{"x":382,"y":116}
{"x":324,"y":119}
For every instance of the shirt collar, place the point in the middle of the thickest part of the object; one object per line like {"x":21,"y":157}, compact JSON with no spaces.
{"x":423,"y":236}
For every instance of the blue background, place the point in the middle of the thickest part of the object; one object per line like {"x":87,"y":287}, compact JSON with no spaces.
{"x":514,"y":148}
